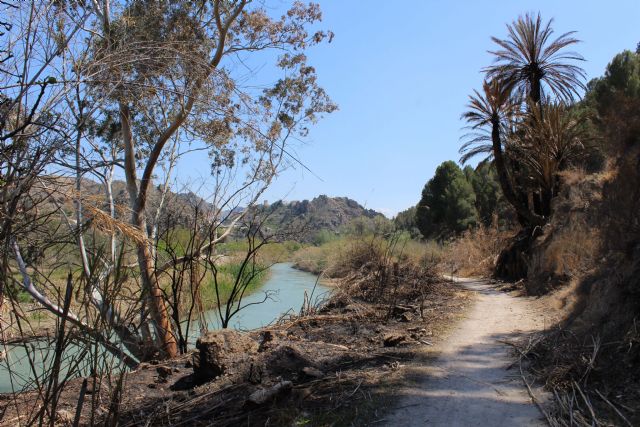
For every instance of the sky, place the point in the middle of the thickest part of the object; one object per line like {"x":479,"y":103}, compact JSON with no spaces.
{"x":401,"y":73}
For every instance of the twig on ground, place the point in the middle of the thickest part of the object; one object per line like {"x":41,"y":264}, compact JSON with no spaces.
{"x":548,"y":417}
{"x":614,"y":408}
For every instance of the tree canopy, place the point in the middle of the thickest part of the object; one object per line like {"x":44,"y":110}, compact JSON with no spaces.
{"x":447,"y":205}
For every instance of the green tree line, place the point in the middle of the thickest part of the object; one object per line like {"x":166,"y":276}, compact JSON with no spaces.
{"x":455,"y":200}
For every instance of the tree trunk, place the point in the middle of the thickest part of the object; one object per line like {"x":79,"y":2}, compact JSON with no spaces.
{"x":536,"y":91}
{"x":512,"y":263}
{"x":44,"y":301}
{"x":525,"y":216}
{"x":159,"y":315}
{"x":155,"y":299}
{"x":546,"y":195}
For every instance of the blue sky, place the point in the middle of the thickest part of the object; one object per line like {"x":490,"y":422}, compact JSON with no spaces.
{"x":401,"y":73}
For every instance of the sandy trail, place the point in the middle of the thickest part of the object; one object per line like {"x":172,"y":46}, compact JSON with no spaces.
{"x":468,"y":383}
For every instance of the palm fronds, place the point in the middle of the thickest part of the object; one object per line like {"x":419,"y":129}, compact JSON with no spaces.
{"x":529,"y":57}
{"x":548,"y":142}
{"x":494,"y":106}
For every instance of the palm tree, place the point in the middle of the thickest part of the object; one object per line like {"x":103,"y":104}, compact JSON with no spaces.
{"x":547,"y":143}
{"x":529,"y":58}
{"x":490,"y":115}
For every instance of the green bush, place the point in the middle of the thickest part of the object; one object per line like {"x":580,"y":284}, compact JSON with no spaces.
{"x":227,"y":275}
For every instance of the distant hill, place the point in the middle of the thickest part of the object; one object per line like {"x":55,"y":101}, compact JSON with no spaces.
{"x":323,"y":213}
{"x":304,"y":218}
{"x":178,"y":208}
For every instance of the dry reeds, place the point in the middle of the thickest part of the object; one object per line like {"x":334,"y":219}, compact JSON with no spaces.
{"x":474,"y":252}
{"x":573,"y":371}
{"x":107,"y":224}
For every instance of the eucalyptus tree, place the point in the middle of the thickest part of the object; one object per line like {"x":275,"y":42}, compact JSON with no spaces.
{"x":32,"y":129}
{"x":176,"y":71}
{"x":126,"y":87}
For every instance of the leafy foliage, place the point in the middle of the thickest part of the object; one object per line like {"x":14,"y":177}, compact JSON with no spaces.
{"x":490,"y":202}
{"x":488,"y":112}
{"x":522,"y":118}
{"x":447,"y":205}
{"x":406,"y":220}
{"x":614,"y":101}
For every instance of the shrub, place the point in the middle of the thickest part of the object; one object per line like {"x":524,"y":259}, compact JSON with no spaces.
{"x":474,"y":253}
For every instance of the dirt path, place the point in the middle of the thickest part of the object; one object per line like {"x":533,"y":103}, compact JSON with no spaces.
{"x":468,"y":383}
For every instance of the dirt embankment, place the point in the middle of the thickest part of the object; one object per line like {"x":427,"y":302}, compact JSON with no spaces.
{"x":587,"y":261}
{"x":336,"y":364}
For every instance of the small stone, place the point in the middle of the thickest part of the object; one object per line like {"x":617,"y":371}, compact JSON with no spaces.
{"x":392,"y":340}
{"x":152,"y":385}
{"x":164,"y":371}
{"x":261,"y":396}
{"x":406,"y":317}
{"x":312,"y":372}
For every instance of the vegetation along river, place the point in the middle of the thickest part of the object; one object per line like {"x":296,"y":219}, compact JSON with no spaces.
{"x":285,"y":286}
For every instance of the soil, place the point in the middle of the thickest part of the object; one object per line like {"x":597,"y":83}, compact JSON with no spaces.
{"x":471,"y":378}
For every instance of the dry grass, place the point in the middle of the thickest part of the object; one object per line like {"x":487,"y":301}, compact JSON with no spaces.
{"x":420,"y":253}
{"x":340,"y":257}
{"x":570,"y":253}
{"x":589,"y":377}
{"x":571,"y":244}
{"x":320,"y":259}
{"x":474,"y":253}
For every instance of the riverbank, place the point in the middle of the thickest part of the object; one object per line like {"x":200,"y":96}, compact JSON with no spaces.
{"x":332,"y":364}
{"x":41,"y":323}
{"x":284,"y":290}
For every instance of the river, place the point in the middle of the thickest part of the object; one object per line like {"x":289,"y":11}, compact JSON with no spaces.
{"x":285,"y":286}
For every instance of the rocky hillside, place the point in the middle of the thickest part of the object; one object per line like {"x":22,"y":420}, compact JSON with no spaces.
{"x":309,"y":217}
{"x":302,"y":219}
